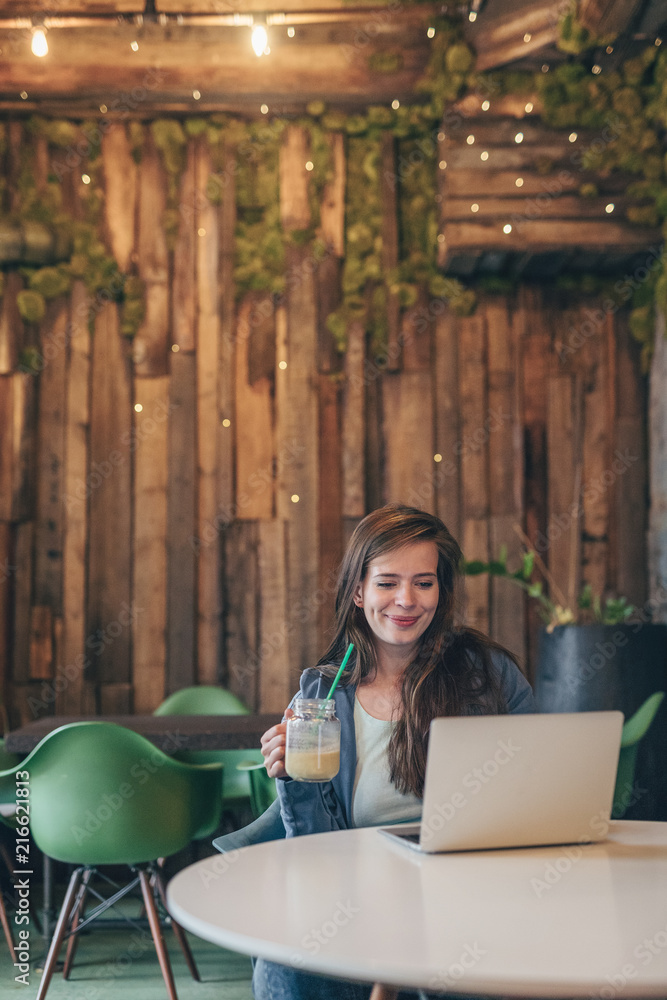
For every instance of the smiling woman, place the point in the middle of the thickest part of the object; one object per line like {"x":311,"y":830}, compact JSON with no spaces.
{"x":412,"y":662}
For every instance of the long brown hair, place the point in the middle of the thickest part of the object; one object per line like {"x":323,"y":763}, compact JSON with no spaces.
{"x":451,"y":673}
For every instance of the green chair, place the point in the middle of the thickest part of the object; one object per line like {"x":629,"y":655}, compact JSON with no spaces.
{"x":8,"y":818}
{"x":634,"y":729}
{"x":101,"y":795}
{"x":244,"y":777}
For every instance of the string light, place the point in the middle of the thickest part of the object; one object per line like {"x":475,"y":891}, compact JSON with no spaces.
{"x":484,"y":155}
{"x":470,"y":140}
{"x":138,"y":407}
{"x":260,"y":39}
{"x":443,"y":164}
{"x":507,"y":228}
{"x":24,"y":95}
{"x":609,"y":49}
{"x":175,"y":348}
{"x":474,"y":207}
{"x":441,"y":237}
{"x":103,"y":109}
{"x":519,"y":182}
{"x":39,"y":45}
{"x":472,"y":16}
{"x":282,"y":365}
{"x":295,"y":498}
{"x":596,"y":70}
{"x":310,"y":165}
{"x":437,"y":458}
{"x":529,"y":107}
{"x":430,"y":33}
{"x":85,"y":178}
{"x":290,"y":32}
{"x":134,"y":46}
{"x":527,"y":37}
{"x":395,"y":104}
{"x":518,"y":137}
{"x":573,"y":136}
{"x":226,"y":422}
{"x":609,"y":208}
{"x":196,"y":94}
{"x":264,"y":109}
{"x":486,"y":105}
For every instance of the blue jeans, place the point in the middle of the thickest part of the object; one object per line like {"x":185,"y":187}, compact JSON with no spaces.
{"x":281,"y":982}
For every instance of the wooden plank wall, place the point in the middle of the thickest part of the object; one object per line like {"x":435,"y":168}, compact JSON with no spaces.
{"x":173,"y":511}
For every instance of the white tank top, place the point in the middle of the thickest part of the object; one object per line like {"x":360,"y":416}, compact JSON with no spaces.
{"x":375,"y":799}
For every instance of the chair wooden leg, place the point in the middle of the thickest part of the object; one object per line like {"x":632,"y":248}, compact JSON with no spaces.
{"x":6,"y":926}
{"x":59,"y":932}
{"x":380,"y":992}
{"x":177,"y":929}
{"x":158,"y":940}
{"x":78,"y":910}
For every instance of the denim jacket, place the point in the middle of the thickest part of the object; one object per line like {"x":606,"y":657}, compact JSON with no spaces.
{"x":318,"y":807}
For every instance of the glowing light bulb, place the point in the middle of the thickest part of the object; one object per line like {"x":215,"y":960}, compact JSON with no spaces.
{"x":259,"y":39}
{"x":39,"y":45}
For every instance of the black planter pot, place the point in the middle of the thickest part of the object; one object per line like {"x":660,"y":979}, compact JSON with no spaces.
{"x":591,"y":667}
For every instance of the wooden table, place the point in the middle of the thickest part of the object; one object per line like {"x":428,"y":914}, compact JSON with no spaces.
{"x":584,"y":920}
{"x":168,"y":732}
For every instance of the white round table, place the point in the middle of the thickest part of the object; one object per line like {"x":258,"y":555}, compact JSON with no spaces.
{"x":566,"y":921}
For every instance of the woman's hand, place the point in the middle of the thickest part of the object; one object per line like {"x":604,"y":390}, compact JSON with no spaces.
{"x":273,"y":748}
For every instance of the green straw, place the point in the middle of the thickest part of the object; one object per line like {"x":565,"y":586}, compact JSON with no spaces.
{"x":340,"y":671}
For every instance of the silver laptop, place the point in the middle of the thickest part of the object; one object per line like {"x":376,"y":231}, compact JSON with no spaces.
{"x":515,"y":781}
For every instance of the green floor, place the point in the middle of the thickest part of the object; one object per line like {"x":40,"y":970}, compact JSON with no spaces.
{"x":121,"y":962}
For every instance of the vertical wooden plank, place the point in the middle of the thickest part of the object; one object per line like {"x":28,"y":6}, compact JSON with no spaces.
{"x":120,"y":194}
{"x":561,"y":481}
{"x":255,"y":364}
{"x":657,"y":539}
{"x":299,"y":481}
{"x":597,"y":474}
{"x":149,"y":581}
{"x":353,"y":424}
{"x":241,"y":541}
{"x":474,"y":457}
{"x":389,"y":201}
{"x":629,"y":464}
{"x":275,"y":681}
{"x":76,"y":695}
{"x":507,"y":609}
{"x":184,"y":306}
{"x":6,"y":446}
{"x":186,"y":537}
{"x":226,"y":386}
{"x":11,"y":324}
{"x":23,"y":563}
{"x":7,"y":576}
{"x":331,"y":498}
{"x":150,"y":344}
{"x":408,"y":438}
{"x":447,"y":424}
{"x":332,"y":209}
{"x":208,"y":353}
{"x":109,"y":489}
{"x":49,"y":526}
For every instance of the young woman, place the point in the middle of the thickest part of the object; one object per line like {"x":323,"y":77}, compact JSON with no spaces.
{"x":411,"y":663}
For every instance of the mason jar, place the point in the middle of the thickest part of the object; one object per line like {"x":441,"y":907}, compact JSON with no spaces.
{"x":312,"y":750}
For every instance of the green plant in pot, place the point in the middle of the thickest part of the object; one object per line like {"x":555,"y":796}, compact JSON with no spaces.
{"x":600,"y":654}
